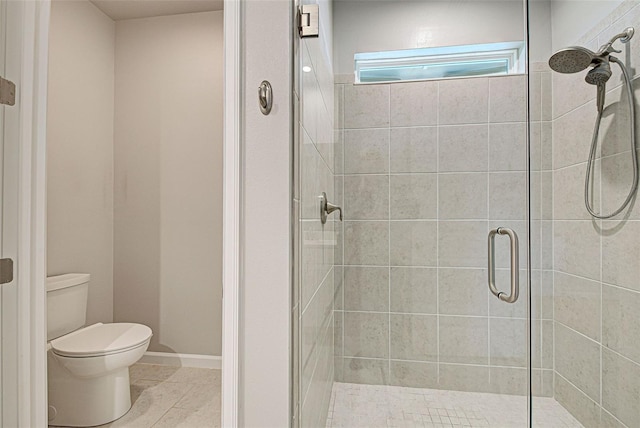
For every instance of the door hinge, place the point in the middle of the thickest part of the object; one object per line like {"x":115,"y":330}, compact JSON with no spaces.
{"x":308,"y":20}
{"x":6,"y":271}
{"x":7,"y":92}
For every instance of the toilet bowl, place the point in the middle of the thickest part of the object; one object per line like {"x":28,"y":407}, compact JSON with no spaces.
{"x":87,"y":368}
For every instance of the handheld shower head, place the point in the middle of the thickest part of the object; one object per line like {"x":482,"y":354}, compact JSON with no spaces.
{"x":599,"y":75}
{"x":571,"y":60}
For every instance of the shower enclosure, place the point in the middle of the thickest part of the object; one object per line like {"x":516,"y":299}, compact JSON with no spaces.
{"x":463,"y":282}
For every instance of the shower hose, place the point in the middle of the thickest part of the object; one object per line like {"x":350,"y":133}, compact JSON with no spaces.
{"x":594,"y":145}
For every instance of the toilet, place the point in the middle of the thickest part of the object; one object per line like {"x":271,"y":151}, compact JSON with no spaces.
{"x":87,"y":367}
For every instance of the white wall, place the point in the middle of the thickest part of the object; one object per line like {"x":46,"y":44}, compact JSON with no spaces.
{"x":80,"y":149}
{"x":570,"y":19}
{"x":168,"y":179}
{"x":369,"y":26}
{"x":265,"y":327}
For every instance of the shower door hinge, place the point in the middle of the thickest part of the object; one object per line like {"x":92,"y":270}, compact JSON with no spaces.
{"x":308,"y":20}
{"x":7,"y":92}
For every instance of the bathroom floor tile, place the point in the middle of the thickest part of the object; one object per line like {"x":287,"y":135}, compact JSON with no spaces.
{"x":168,"y":396}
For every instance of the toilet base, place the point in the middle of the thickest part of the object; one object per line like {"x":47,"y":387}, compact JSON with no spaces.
{"x":84,"y":402}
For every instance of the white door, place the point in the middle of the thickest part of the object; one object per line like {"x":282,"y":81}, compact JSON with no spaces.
{"x":8,"y":228}
{"x":23,"y":46}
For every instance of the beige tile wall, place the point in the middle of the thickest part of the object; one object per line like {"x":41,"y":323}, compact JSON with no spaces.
{"x":596,"y":278}
{"x":425,"y":170}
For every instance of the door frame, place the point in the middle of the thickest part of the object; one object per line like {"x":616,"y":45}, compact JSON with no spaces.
{"x":232,"y":167}
{"x":32,"y":376}
{"x":29,"y":27}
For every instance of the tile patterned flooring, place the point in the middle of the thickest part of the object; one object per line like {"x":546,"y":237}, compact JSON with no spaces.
{"x":167,"y":396}
{"x":372,"y":406}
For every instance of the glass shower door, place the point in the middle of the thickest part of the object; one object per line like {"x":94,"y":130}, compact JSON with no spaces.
{"x":394,"y":320}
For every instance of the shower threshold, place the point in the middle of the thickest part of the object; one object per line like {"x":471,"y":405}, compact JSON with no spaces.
{"x":356,"y":405}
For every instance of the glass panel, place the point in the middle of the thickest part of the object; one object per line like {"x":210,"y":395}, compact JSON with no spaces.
{"x":587,"y":270}
{"x":394,"y":323}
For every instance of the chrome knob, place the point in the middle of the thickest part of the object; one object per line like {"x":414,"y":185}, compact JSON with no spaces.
{"x":327,"y":208}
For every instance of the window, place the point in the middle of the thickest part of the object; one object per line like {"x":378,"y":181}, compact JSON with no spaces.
{"x":440,"y":62}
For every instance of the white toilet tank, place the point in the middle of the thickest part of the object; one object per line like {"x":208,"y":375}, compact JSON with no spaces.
{"x":66,"y":303}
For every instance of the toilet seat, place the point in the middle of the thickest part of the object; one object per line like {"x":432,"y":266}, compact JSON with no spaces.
{"x":101,"y":339}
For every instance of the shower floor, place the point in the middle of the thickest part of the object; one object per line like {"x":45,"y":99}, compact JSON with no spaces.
{"x":354,"y":405}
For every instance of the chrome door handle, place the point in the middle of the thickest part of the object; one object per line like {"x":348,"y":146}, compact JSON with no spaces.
{"x":515,"y":270}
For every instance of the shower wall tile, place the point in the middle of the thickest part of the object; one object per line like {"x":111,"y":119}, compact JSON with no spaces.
{"x":568,"y":193}
{"x":367,"y":371}
{"x":508,"y":344}
{"x":509,"y":380}
{"x":497,"y":308}
{"x":621,"y":321}
{"x":366,"y":197}
{"x":463,"y":101}
{"x":462,"y":196}
{"x":535,"y":91}
{"x":507,"y":99}
{"x":463,"y":148}
{"x":413,"y":196}
{"x":463,"y":292}
{"x":366,"y":334}
{"x":578,"y":360}
{"x":463,"y":340}
{"x":577,"y":248}
{"x":366,"y":243}
{"x":413,"y":243}
{"x":366,"y":151}
{"x":546,"y":146}
{"x":462,"y":243}
{"x":366,"y":106}
{"x":583,"y":408}
{"x":366,"y":289}
{"x":607,"y":420}
{"x":569,"y":92}
{"x":574,"y":297}
{"x":507,"y":146}
{"x":616,"y":175}
{"x":414,"y":290}
{"x":620,"y":254}
{"x":414,"y":150}
{"x":546,"y":98}
{"x":572,"y":135}
{"x":506,"y":199}
{"x":463,"y":377}
{"x":414,"y":374}
{"x":414,"y":104}
{"x":414,"y":337}
{"x":615,"y":125}
{"x":620,"y":387}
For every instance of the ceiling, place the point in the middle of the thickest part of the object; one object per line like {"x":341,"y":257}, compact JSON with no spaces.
{"x":131,"y":9}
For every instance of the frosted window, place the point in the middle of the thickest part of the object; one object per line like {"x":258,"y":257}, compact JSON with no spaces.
{"x":492,"y":59}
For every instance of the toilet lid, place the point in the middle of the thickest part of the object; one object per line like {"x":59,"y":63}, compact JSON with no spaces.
{"x":101,"y":339}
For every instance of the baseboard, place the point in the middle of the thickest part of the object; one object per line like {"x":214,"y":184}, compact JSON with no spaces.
{"x":182,"y":360}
